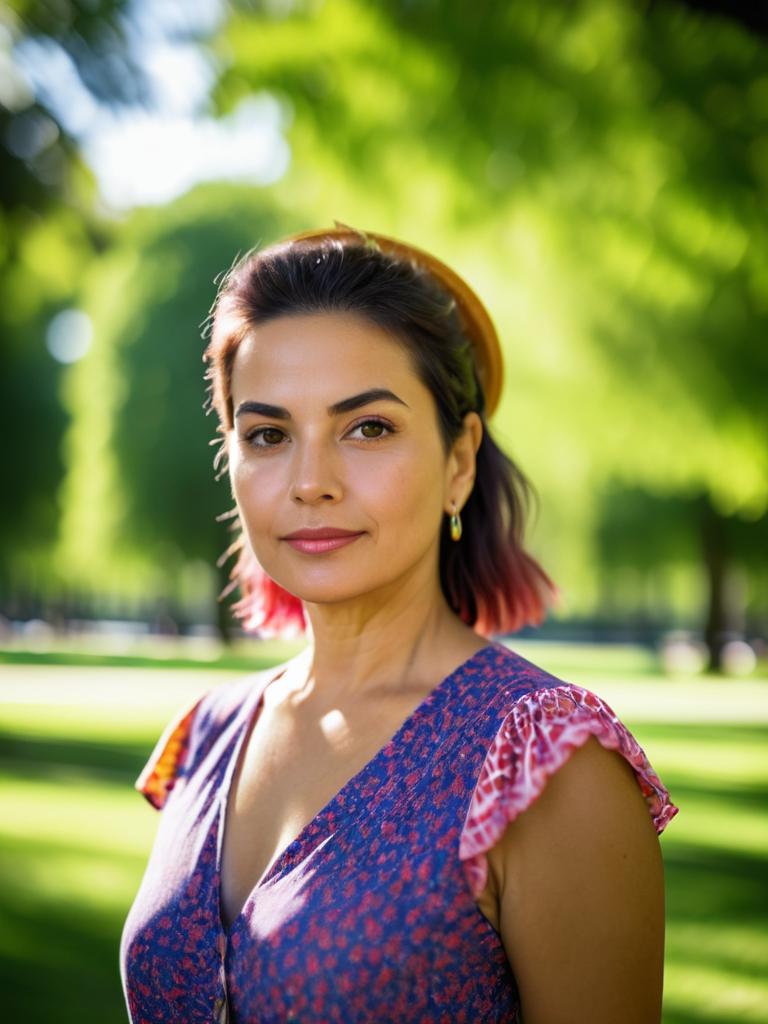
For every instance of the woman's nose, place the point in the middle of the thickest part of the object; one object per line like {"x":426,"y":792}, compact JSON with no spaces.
{"x":314,"y":475}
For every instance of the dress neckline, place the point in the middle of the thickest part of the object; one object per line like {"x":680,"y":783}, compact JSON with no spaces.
{"x":250,"y":709}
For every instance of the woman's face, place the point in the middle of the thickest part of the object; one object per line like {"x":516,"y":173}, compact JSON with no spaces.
{"x":332,"y":428}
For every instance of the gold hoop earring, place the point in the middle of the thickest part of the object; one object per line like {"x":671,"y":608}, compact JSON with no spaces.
{"x":455,"y":523}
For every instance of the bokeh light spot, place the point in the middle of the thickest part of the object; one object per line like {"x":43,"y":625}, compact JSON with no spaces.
{"x":69,"y":335}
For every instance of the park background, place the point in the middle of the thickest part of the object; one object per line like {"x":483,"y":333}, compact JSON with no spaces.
{"x":598,"y":170}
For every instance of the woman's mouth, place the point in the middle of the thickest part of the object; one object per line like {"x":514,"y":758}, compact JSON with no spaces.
{"x":319,"y":545}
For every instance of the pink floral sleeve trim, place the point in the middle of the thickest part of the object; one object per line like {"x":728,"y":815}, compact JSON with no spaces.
{"x":536,"y":738}
{"x":158,"y":776}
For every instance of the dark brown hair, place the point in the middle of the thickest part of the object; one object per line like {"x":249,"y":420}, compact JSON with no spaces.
{"x":487,"y":577}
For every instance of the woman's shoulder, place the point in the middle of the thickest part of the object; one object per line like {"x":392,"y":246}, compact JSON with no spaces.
{"x":508,"y":675}
{"x":539,"y":721}
{"x":191,"y":731}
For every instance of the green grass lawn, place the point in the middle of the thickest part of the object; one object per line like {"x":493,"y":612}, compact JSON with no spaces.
{"x":74,"y":835}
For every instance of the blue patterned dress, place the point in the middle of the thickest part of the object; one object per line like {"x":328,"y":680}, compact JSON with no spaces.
{"x":370,"y":914}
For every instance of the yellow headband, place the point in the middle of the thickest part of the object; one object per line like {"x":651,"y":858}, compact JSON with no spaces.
{"x":475,"y":319}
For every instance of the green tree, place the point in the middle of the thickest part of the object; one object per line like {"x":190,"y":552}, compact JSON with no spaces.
{"x":50,"y":229}
{"x":141,"y":501}
{"x":599,"y":172}
{"x":596,"y":170}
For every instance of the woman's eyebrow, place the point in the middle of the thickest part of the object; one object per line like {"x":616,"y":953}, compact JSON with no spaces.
{"x":277,"y":412}
{"x":364,"y":398}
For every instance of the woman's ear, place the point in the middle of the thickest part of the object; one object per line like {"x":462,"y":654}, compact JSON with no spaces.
{"x":462,"y":461}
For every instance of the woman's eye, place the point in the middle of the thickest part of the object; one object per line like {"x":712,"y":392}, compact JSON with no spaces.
{"x":264,"y":437}
{"x":377,"y":426}
{"x":272,"y":437}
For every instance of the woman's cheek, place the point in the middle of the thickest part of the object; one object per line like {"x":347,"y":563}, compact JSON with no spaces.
{"x":237,"y":476}
{"x":247,"y":482}
{"x":414,"y":488}
{"x":259,"y":493}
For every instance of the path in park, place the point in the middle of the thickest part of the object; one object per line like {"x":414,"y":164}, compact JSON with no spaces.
{"x":639,"y":698}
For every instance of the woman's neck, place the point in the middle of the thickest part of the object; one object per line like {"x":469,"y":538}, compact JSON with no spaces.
{"x":395,"y":648}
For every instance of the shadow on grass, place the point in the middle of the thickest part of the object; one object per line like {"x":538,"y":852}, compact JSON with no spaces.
{"x":712,"y":891}
{"x":253,"y":662}
{"x":750,"y":797}
{"x":717,"y":734}
{"x":691,"y":1017}
{"x":59,"y":964}
{"x":710,"y":884}
{"x":44,"y":757}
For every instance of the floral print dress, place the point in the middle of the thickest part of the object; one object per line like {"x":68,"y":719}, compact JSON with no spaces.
{"x":370,"y":914}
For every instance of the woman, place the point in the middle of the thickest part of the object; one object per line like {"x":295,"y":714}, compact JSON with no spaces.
{"x":408,"y":821}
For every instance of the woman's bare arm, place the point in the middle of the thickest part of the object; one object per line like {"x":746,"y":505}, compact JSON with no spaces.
{"x":581,"y":882}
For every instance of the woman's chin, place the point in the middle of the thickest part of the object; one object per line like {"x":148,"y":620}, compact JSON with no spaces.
{"x":319,"y":595}
{"x":331,"y":591}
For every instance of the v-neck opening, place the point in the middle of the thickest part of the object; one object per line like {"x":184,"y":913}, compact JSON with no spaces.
{"x":251,"y":709}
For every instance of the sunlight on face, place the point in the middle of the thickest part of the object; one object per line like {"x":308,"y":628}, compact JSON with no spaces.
{"x":374,"y":466}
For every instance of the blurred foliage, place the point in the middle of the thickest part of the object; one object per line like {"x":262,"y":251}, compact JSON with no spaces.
{"x":50,"y":229}
{"x":601,"y":164}
{"x":649,"y":542}
{"x":597,"y":170}
{"x":144,"y":497}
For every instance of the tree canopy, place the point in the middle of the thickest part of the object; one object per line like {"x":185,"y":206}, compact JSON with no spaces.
{"x":597,"y":171}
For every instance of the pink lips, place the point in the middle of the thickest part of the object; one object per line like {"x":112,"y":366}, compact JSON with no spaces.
{"x":316,"y":542}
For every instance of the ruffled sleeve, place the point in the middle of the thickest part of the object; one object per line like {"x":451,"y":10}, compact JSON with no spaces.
{"x":159,"y":774}
{"x":538,"y":735}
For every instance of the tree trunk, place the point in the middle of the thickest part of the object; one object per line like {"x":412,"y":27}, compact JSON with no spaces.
{"x":720,"y":615}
